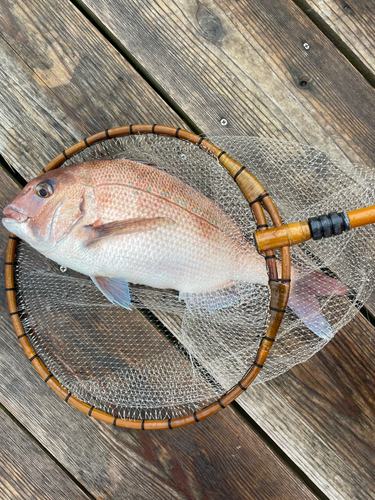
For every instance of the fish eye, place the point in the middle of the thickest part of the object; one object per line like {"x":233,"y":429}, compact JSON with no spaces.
{"x":44,"y":189}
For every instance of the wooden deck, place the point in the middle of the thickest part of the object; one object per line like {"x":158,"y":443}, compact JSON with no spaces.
{"x":300,"y":70}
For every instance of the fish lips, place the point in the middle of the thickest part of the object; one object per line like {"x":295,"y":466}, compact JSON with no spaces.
{"x":14,"y":214}
{"x":13,"y":220}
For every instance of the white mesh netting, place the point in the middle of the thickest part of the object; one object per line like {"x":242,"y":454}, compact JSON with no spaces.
{"x":168,"y":358}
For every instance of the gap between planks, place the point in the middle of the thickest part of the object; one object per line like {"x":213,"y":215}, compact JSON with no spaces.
{"x":33,"y":438}
{"x":333,"y":37}
{"x":137,"y":66}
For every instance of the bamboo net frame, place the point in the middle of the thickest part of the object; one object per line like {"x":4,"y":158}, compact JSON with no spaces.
{"x":255,"y":194}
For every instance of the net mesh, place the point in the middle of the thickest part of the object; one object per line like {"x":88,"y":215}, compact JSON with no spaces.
{"x":167,"y":358}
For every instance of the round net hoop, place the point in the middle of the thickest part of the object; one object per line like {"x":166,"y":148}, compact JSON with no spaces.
{"x":258,"y":198}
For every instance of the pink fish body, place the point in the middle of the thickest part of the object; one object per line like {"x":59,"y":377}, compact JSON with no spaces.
{"x":122,"y":221}
{"x":172,"y":236}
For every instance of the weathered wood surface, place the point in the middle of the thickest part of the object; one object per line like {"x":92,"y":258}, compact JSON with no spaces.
{"x":353,"y":22}
{"x":325,"y":413}
{"x":60,"y":81}
{"x":218,"y":458}
{"x":257,"y":92}
{"x":26,"y":471}
{"x":246,"y":62}
{"x":322,"y":412}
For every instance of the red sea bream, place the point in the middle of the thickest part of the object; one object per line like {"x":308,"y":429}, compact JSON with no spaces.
{"x":122,"y":221}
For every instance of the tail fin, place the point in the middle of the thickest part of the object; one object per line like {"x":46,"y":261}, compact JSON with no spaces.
{"x":304,"y":302}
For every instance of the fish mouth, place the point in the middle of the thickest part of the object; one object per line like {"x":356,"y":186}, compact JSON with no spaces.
{"x":12,"y":214}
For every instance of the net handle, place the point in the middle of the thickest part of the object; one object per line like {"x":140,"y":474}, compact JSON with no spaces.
{"x":323,"y":226}
{"x":255,"y":194}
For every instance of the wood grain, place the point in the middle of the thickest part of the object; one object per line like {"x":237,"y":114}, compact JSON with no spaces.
{"x":26,"y":471}
{"x":247,"y":67}
{"x":218,"y":458}
{"x":328,"y":413}
{"x":246,"y":62}
{"x":60,"y":81}
{"x":322,"y":412}
{"x":353,"y":22}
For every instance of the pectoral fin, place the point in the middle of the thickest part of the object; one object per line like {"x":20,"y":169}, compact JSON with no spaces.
{"x":128,"y":226}
{"x":115,"y":289}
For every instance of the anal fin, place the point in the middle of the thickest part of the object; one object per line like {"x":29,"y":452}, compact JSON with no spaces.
{"x":114,"y":289}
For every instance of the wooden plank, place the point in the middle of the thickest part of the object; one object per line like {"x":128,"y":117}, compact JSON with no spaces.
{"x":353,"y":22}
{"x":325,"y":413}
{"x":60,"y":81}
{"x":246,"y":62}
{"x":219,"y":458}
{"x":26,"y":471}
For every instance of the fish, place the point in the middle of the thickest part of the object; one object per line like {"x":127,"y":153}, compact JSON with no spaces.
{"x":124,"y":221}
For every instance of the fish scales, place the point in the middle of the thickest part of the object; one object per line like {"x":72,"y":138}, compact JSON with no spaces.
{"x":197,"y":253}
{"x":122,"y":221}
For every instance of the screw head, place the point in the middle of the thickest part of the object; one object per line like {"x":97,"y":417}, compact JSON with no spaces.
{"x":63,"y":269}
{"x":223,"y":122}
{"x":306,"y":46}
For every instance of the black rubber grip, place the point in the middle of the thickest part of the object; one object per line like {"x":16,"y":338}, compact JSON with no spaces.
{"x":329,"y":225}
{"x":280,"y":280}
